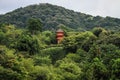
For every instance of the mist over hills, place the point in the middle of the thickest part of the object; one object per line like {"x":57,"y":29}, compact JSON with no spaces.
{"x":52,"y":16}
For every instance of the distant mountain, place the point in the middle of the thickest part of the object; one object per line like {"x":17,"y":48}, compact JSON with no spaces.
{"x":52,"y":16}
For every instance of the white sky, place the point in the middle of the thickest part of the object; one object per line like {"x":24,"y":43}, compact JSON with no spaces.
{"x":93,"y":7}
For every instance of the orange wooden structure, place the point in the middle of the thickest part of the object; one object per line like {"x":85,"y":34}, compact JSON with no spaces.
{"x":59,"y":35}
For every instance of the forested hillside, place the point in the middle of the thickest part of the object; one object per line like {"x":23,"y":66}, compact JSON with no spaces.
{"x":52,"y":16}
{"x":89,"y":50}
{"x":33,"y":54}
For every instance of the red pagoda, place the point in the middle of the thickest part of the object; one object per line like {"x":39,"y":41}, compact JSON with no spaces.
{"x":59,"y":35}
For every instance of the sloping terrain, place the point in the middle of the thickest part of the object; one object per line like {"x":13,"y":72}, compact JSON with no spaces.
{"x":52,"y":15}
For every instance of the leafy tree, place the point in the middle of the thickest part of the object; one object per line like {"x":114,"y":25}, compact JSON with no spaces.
{"x":55,"y":53}
{"x":109,"y":52}
{"x":27,"y":43}
{"x":48,"y":37}
{"x":110,"y":39}
{"x":34,"y":25}
{"x":10,"y":66}
{"x":94,"y":52}
{"x":85,"y":40}
{"x":115,"y":69}
{"x":73,"y":57}
{"x":8,"y":74}
{"x":96,"y":71}
{"x":69,"y":69}
{"x":42,"y":60}
{"x":69,"y":44}
{"x":2,"y":37}
{"x":96,"y":31}
{"x":84,"y":56}
{"x":40,"y":73}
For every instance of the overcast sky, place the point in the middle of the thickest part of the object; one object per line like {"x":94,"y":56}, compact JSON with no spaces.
{"x":93,"y":7}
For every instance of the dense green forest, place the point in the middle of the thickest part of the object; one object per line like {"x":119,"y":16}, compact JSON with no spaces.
{"x":52,"y":16}
{"x":33,"y":54}
{"x":90,"y":49}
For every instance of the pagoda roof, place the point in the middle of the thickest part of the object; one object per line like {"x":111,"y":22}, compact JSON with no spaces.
{"x":59,"y":30}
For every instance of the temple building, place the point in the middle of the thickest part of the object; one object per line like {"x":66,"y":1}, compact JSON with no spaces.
{"x":59,"y":35}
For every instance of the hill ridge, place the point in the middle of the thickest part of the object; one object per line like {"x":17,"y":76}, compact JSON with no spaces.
{"x":53,"y":15}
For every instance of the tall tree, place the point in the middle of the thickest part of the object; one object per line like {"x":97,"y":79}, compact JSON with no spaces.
{"x":34,"y":25}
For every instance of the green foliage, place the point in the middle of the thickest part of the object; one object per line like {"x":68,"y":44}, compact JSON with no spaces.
{"x":42,"y":60}
{"x":74,"y":57}
{"x":2,"y":37}
{"x":109,"y":52}
{"x":41,"y":73}
{"x":116,"y":69}
{"x":97,"y":31}
{"x":12,"y":68}
{"x":8,"y":74}
{"x":69,"y":70}
{"x":111,"y":39}
{"x":81,"y":40}
{"x":55,"y":53}
{"x":69,"y":44}
{"x":94,"y":51}
{"x":96,"y":71}
{"x":85,"y":40}
{"x":49,"y":37}
{"x":27,"y":43}
{"x":81,"y":55}
{"x":34,"y":25}
{"x":52,"y":16}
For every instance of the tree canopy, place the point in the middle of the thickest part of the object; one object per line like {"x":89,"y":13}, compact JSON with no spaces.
{"x":52,"y":16}
{"x":34,"y":25}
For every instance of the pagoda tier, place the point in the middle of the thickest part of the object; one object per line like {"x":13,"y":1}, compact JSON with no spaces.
{"x":59,"y":35}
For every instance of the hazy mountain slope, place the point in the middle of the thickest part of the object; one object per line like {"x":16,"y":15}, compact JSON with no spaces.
{"x":52,"y":16}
